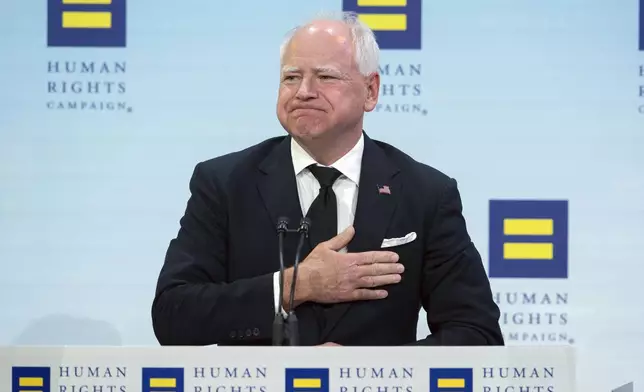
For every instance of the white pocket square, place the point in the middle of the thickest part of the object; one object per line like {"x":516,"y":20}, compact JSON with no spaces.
{"x":389,"y":242}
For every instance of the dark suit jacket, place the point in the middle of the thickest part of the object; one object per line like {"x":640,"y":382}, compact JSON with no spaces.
{"x":216,"y":285}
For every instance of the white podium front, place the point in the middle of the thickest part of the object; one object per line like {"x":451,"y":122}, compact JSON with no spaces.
{"x":287,"y":369}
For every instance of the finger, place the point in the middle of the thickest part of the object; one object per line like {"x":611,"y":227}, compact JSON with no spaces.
{"x":342,"y":239}
{"x":380,"y":269}
{"x":377,"y":281}
{"x":368,"y":294}
{"x":375,"y":257}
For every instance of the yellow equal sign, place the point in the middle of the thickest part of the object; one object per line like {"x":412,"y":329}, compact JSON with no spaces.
{"x":89,"y":2}
{"x":382,"y":3}
{"x":528,"y":250}
{"x":307,"y":383}
{"x":30,"y":381}
{"x":385,"y":22}
{"x":87,"y":20}
{"x":451,"y":383}
{"x":163,"y":383}
{"x":528,"y":227}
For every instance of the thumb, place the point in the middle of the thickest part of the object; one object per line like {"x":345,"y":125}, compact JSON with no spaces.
{"x":342,"y":239}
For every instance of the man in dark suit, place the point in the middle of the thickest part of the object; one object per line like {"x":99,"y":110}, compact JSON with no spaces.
{"x":387,"y":233}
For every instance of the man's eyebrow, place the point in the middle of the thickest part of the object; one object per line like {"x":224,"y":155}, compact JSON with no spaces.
{"x":326,"y":69}
{"x":331,"y":70}
{"x":289,"y":68}
{"x":318,"y":70}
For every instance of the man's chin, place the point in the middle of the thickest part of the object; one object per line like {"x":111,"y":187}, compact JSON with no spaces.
{"x":309,"y":132}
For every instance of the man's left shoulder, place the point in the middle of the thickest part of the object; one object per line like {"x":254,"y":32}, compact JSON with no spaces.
{"x":419,"y":173}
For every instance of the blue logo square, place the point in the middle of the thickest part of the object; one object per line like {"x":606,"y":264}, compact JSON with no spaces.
{"x":30,"y":379}
{"x":450,"y":380}
{"x":396,"y":23}
{"x":307,"y":380}
{"x":162,"y":380}
{"x":86,"y":23}
{"x":528,"y":239}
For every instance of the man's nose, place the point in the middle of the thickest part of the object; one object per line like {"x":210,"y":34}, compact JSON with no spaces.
{"x":307,"y":89}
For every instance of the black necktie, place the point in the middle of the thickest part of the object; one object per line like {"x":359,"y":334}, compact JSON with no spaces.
{"x":324,"y":221}
{"x":324,"y":210}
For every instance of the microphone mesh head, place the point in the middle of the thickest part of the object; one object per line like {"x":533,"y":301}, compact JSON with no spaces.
{"x":282,"y":223}
{"x":305,"y":223}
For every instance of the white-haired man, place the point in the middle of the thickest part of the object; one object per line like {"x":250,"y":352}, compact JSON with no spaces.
{"x":387,"y":234}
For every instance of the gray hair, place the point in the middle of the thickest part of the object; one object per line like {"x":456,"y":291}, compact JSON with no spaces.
{"x":367,"y":52}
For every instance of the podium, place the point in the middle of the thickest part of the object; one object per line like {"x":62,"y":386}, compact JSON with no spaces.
{"x":287,"y":369}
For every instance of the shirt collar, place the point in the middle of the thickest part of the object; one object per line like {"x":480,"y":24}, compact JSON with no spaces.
{"x":349,"y":165}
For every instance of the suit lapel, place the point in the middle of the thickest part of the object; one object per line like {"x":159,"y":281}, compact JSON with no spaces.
{"x":378,"y":194}
{"x":278,"y":189}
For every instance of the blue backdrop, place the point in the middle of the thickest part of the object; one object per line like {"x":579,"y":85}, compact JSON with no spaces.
{"x":540,"y":102}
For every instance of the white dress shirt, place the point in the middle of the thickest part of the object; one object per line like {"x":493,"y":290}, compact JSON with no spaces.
{"x":308,"y":187}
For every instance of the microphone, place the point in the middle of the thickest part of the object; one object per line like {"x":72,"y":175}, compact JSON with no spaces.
{"x":278,"y":323}
{"x":291,"y":319}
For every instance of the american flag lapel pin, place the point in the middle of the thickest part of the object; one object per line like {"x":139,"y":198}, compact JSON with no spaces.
{"x":384,"y":190}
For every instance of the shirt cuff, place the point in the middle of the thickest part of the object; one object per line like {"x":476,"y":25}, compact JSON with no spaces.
{"x":276,"y":292}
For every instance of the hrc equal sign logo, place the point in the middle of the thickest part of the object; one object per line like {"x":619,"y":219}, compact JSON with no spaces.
{"x":307,"y":380}
{"x":30,"y":379}
{"x":86,"y":23}
{"x":162,"y":380}
{"x":528,"y":239}
{"x":396,"y":23}
{"x":450,"y":380}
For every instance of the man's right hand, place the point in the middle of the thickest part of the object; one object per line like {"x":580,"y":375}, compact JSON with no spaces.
{"x":328,"y":276}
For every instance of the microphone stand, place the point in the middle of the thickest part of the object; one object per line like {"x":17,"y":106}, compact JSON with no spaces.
{"x":291,"y":318}
{"x":278,"y":322}
{"x":287,"y":327}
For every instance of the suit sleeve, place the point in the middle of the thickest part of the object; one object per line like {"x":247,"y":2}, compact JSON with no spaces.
{"x":456,"y":292}
{"x":195,"y":303}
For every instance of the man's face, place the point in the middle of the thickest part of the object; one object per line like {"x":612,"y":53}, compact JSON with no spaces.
{"x":321,"y":90}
